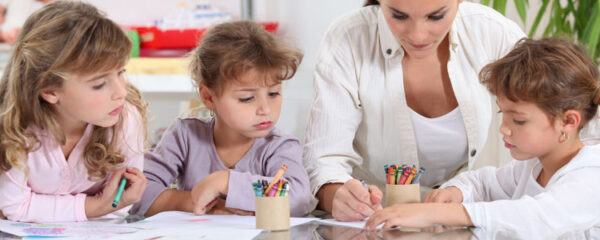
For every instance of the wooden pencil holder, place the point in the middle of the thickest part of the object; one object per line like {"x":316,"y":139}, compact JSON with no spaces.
{"x":409,"y":193}
{"x":273,"y":213}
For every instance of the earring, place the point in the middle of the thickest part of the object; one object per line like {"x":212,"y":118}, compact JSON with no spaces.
{"x":563,"y":137}
{"x":211,"y":113}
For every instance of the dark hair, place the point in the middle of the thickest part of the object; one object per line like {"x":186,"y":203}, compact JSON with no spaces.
{"x":371,"y":2}
{"x":231,"y":49}
{"x":554,"y":74}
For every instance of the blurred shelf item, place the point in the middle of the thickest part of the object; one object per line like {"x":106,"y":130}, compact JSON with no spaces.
{"x":160,"y":75}
{"x":154,"y":37}
{"x":157,"y":66}
{"x":164,"y":52}
{"x":5,"y":50}
{"x":162,"y":83}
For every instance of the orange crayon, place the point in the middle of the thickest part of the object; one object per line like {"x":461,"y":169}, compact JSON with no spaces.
{"x":275,"y":179}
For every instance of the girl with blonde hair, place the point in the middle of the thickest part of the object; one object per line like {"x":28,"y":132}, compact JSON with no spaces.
{"x":71,"y":126}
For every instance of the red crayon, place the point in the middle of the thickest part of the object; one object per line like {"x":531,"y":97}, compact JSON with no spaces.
{"x":404,"y":175}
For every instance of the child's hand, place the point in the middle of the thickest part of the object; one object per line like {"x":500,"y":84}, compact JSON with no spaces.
{"x":220,"y":209}
{"x":352,"y":202}
{"x":101,"y":204}
{"x":417,"y":215}
{"x":420,"y":215}
{"x":446,"y":195}
{"x":206,"y":192}
{"x":136,"y":184}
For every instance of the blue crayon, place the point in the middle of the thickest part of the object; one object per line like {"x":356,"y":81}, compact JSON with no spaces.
{"x":416,"y":180}
{"x":259,"y":188}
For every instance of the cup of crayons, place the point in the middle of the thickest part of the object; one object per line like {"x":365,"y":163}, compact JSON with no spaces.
{"x":402,"y":184}
{"x":272,"y":203}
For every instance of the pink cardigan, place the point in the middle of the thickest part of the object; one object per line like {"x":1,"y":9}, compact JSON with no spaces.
{"x":56,"y":188}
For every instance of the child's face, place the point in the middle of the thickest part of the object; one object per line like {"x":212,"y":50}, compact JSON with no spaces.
{"x":247,"y":107}
{"x":527,"y":131}
{"x":92,"y":98}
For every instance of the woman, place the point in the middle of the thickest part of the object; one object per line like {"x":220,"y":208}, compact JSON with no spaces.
{"x":396,"y":83}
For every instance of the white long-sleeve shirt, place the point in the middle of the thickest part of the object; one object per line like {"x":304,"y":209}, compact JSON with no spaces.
{"x":360,"y":120}
{"x":509,"y":199}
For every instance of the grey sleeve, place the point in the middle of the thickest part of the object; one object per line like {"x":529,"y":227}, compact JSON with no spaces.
{"x":163,"y":165}
{"x":241,"y":195}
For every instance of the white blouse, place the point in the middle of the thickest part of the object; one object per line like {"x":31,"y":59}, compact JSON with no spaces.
{"x":359,"y":119}
{"x":441,"y":145}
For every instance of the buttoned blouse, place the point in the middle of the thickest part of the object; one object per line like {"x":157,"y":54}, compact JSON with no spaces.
{"x":359,"y":120}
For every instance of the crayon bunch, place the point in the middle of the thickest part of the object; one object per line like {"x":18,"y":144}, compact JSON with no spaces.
{"x":277,"y":187}
{"x":280,"y":188}
{"x":404,"y":174}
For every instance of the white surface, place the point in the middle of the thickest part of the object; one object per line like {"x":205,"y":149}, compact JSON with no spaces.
{"x":357,"y":224}
{"x":173,"y":219}
{"x":173,"y":225}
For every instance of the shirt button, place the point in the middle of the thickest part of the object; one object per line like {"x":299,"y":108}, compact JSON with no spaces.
{"x":389,"y":51}
{"x":473,"y":152}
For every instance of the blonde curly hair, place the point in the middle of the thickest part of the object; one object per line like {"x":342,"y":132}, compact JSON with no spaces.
{"x":62,"y":38}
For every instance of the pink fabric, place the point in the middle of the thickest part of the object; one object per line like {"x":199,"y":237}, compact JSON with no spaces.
{"x":55,"y":188}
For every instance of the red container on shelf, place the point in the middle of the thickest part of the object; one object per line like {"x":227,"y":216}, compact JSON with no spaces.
{"x":152,"y":37}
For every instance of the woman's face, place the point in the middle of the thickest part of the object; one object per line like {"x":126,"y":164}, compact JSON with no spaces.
{"x":419,"y":25}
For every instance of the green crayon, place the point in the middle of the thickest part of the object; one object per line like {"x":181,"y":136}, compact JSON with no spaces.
{"x":119,"y":192}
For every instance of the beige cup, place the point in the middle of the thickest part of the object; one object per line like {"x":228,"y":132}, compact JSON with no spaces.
{"x":409,"y":193}
{"x":279,"y":235}
{"x":273,"y":213}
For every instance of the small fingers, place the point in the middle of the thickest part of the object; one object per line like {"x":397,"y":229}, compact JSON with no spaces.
{"x":373,"y":221}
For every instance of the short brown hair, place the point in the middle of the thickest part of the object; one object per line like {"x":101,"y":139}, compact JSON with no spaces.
{"x":229,"y":50}
{"x":554,"y":74}
{"x":370,"y":2}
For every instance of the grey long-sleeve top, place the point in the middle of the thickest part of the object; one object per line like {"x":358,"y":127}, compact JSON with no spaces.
{"x":187,"y":152}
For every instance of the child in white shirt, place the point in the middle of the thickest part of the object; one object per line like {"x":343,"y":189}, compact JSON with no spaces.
{"x":547,"y":90}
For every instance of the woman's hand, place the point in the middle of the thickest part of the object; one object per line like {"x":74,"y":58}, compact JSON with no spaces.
{"x":352,"y":202}
{"x":446,"y":195}
{"x":206,"y":192}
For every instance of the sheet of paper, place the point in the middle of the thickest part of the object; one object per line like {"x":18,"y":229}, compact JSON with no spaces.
{"x":191,"y":232}
{"x":171,"y":219}
{"x":173,"y":225}
{"x":357,"y":224}
{"x":100,"y":229}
